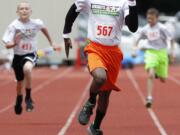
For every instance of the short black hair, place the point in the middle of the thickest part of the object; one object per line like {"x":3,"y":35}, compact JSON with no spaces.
{"x":153,"y":11}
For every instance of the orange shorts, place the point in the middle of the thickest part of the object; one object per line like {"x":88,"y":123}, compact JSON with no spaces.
{"x":107,"y":57}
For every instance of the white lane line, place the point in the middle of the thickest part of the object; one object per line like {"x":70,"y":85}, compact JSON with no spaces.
{"x":174,"y":80}
{"x":75,"y":110}
{"x":39,"y":87}
{"x":150,"y":110}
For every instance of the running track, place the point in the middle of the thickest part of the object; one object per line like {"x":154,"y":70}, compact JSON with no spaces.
{"x":58,"y":96}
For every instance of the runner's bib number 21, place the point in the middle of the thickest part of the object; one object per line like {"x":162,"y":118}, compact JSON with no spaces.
{"x":153,"y":35}
{"x":26,"y":46}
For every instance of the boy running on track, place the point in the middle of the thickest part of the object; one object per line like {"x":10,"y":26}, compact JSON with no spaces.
{"x":21,"y":36}
{"x":156,"y":56}
{"x":106,"y":19}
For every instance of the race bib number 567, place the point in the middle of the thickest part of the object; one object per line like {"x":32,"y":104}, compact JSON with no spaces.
{"x":104,"y":31}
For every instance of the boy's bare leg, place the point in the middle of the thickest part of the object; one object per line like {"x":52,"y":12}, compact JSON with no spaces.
{"x":103,"y":103}
{"x":150,"y":84}
{"x":28,"y":66}
{"x":99,"y":78}
{"x":19,"y":98}
{"x":102,"y":107}
{"x":19,"y":87}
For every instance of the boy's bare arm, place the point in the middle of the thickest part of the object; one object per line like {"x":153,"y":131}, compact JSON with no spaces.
{"x":47,"y":35}
{"x":13,"y":43}
{"x":172,"y":45}
{"x":135,"y":48}
{"x":9,"y":45}
{"x":172,"y":55}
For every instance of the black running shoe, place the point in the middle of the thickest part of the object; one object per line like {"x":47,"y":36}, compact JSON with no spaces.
{"x":156,"y":76}
{"x":92,"y":131}
{"x":85,"y":113}
{"x":18,"y":106}
{"x":29,"y":105}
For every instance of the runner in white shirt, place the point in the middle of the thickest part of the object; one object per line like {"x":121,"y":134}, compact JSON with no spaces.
{"x":110,"y":18}
{"x":106,"y":19}
{"x":21,"y":36}
{"x":156,"y":56}
{"x":156,"y":35}
{"x":27,"y":31}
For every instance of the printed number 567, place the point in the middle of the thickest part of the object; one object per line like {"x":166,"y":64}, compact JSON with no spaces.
{"x":104,"y":30}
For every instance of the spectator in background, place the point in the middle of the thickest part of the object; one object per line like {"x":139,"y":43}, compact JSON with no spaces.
{"x":173,"y":27}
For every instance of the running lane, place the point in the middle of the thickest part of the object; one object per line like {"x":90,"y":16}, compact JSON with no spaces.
{"x":166,"y":99}
{"x":126,"y":115}
{"x":55,"y":95}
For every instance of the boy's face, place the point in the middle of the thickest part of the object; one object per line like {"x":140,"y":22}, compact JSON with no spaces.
{"x":152,"y":19}
{"x":24,"y":11}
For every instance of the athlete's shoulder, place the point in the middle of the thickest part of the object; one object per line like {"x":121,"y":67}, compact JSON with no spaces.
{"x":83,"y":5}
{"x":122,"y":2}
{"x":160,"y":25}
{"x":14,"y":23}
{"x":36,"y":21}
{"x":83,"y":1}
{"x":146,"y":27}
{"x":118,"y":2}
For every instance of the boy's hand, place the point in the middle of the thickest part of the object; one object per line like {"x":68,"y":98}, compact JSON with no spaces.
{"x":56,"y":47}
{"x":171,"y":57}
{"x":68,"y":45}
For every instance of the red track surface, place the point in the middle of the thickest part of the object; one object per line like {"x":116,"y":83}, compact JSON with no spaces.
{"x":58,"y":94}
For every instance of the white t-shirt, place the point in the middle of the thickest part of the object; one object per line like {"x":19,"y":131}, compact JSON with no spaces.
{"x":106,"y":19}
{"x":157,"y":36}
{"x":27,"y":31}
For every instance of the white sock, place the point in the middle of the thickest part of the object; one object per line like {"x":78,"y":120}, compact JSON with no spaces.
{"x":149,"y":97}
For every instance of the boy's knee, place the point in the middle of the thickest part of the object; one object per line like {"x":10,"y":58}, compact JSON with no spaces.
{"x":99,"y":76}
{"x":100,"y":80}
{"x":151,"y":73}
{"x":28,"y":68}
{"x":19,"y":83}
{"x":151,"y":76}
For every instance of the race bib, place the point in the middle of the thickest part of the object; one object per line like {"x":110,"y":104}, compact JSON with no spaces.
{"x":104,"y":31}
{"x":26,"y":46}
{"x":153,"y":35}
